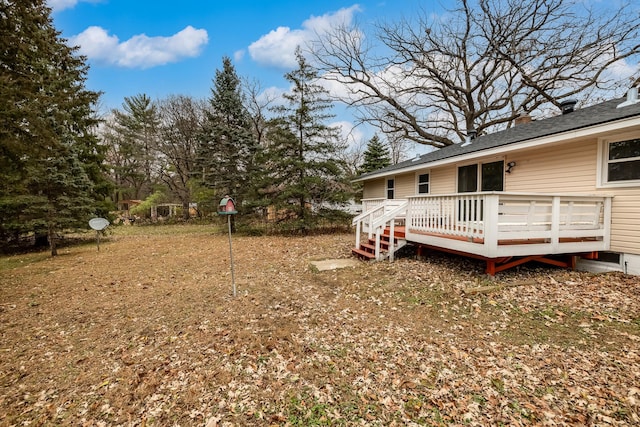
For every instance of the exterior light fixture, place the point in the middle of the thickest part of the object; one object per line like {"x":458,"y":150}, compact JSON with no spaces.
{"x":510,"y":166}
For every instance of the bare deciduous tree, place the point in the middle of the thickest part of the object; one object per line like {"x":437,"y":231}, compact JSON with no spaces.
{"x":398,"y":146}
{"x":480,"y":65}
{"x":258,"y":103}
{"x":350,"y":153}
{"x":181,"y":119}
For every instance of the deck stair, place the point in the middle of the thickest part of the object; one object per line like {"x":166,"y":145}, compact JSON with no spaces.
{"x":367,"y":250}
{"x":384,"y":227}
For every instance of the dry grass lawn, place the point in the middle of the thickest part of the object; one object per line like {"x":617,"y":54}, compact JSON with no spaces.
{"x":146,"y":332}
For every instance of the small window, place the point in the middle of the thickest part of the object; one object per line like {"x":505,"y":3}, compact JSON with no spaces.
{"x":623,"y":161}
{"x":423,"y":183}
{"x":493,"y":176}
{"x":468,"y":179}
{"x":391,"y":188}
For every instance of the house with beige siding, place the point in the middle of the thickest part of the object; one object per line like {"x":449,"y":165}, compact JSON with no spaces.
{"x":561,"y":190}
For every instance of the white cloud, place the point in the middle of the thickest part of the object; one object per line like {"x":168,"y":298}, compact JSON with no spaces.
{"x":391,"y":80}
{"x":58,"y":5}
{"x":623,"y":70}
{"x":94,"y":42}
{"x":350,"y":133}
{"x":238,"y":55}
{"x":336,"y":86}
{"x":272,"y":96}
{"x":277,"y":48}
{"x":139,"y":51}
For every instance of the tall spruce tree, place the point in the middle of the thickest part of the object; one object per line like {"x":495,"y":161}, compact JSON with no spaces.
{"x":51,"y":176}
{"x":376,"y":156}
{"x":227,"y":148}
{"x":59,"y":194}
{"x":303,"y":172}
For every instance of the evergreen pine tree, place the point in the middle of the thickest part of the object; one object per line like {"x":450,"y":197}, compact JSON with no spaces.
{"x":227,"y":149}
{"x":59,"y":194}
{"x":133,"y":134}
{"x":376,"y":156}
{"x":47,"y":127}
{"x":304,"y":174}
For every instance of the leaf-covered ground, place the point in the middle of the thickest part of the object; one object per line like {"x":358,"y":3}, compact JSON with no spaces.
{"x":146,"y":332}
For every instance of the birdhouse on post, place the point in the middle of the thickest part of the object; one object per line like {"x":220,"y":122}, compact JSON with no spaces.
{"x":227,"y":206}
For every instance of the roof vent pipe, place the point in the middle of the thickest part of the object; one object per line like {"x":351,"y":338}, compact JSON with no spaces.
{"x":471,"y":135}
{"x":568,"y":106}
{"x":632,"y":98}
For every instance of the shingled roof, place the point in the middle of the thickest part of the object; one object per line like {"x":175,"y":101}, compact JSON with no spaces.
{"x":581,"y":118}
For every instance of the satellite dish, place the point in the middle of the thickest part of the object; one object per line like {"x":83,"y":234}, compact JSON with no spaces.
{"x":98,"y":223}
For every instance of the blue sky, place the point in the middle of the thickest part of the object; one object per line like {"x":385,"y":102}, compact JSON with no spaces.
{"x":160,"y":48}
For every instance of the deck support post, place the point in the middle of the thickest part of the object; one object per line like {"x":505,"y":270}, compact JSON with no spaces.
{"x":555,"y":223}
{"x":607,"y":222}
{"x":491,"y":267}
{"x":490,"y":220}
{"x":391,"y":248}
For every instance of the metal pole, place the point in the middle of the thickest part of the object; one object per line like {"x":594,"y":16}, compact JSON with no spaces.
{"x":98,"y":239}
{"x":233,"y":279}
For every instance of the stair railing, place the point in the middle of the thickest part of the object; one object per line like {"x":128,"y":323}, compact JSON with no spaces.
{"x":366,"y":219}
{"x":380,"y":223}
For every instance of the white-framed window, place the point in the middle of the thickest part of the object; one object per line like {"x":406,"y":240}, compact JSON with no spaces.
{"x":620,"y":161}
{"x":391,"y":188}
{"x":468,"y":178}
{"x":489,"y":175}
{"x":423,"y":183}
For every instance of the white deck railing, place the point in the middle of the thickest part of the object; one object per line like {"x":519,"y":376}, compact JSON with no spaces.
{"x":501,"y":224}
{"x":498,"y":224}
{"x":373,"y":209}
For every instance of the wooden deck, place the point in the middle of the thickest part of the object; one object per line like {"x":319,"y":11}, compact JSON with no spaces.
{"x":492,"y":226}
